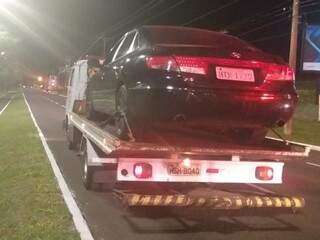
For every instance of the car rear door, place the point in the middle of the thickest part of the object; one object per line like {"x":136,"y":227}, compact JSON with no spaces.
{"x":114,"y":70}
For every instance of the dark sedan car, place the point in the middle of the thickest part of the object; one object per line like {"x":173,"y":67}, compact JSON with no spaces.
{"x":178,"y":77}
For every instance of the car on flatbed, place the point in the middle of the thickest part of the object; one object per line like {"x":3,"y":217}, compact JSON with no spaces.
{"x":177,"y":77}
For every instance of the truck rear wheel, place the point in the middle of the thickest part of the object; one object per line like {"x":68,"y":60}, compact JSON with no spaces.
{"x":74,"y":138}
{"x":87,"y":171}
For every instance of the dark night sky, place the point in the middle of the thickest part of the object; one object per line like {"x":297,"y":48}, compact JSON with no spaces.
{"x":52,"y":31}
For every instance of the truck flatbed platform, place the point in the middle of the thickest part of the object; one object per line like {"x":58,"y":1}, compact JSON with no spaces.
{"x":184,"y":143}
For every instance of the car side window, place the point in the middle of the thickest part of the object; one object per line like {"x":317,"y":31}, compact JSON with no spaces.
{"x":125,"y":45}
{"x":113,"y":52}
{"x":135,"y":43}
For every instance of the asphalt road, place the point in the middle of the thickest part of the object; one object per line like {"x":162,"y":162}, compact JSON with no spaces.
{"x":108,"y":219}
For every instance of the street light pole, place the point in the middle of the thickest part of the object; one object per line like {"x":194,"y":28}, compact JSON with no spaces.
{"x":293,"y":50}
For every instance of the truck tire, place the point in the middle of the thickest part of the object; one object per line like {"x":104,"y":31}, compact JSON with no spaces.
{"x":87,"y":171}
{"x":75,"y":138}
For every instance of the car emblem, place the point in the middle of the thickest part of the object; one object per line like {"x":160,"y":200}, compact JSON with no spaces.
{"x":236,"y":55}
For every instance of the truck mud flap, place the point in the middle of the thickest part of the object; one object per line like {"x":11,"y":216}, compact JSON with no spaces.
{"x":212,"y":202}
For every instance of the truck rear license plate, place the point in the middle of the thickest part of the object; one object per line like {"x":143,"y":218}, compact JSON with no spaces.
{"x":235,"y":74}
{"x":177,"y":170}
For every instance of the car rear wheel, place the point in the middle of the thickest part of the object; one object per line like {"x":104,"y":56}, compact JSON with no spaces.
{"x":91,"y":114}
{"x":122,"y":116}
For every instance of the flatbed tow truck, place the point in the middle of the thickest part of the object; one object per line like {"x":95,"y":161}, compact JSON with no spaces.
{"x":151,"y":169}
{"x":197,"y":160}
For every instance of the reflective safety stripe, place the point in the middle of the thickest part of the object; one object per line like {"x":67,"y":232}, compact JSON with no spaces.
{"x":214,"y":202}
{"x":259,"y":201}
{"x":286,"y":201}
{"x":277,"y":202}
{"x":268,"y":201}
{"x":168,"y":200}
{"x":145,"y":200}
{"x":157,"y":199}
{"x":180,"y":199}
{"x":297,"y":202}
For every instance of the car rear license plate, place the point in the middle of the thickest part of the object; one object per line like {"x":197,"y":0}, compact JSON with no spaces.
{"x":178,"y":170}
{"x":235,"y":74}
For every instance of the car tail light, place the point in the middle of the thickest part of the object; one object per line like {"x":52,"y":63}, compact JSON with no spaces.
{"x":162,"y":62}
{"x":192,"y":65}
{"x":178,"y":64}
{"x":264,"y":173}
{"x":142,"y":170}
{"x":279,"y":72}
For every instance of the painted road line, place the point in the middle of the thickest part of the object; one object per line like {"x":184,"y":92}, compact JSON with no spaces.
{"x":4,"y":108}
{"x":50,"y":100}
{"x":313,"y":164}
{"x":260,"y":188}
{"x":79,"y":221}
{"x":312,"y":147}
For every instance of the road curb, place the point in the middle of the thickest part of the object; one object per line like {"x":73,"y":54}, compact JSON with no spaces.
{"x":78,"y":219}
{"x":311,"y":147}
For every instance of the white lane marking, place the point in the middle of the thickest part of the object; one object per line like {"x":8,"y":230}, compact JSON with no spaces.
{"x":313,"y":164}
{"x":62,"y":95}
{"x":63,"y":106}
{"x":261,"y":188}
{"x":312,"y":147}
{"x":79,"y":221}
{"x":4,"y":108}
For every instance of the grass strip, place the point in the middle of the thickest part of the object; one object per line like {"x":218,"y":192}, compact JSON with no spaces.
{"x":31,"y":205}
{"x":306,"y":127}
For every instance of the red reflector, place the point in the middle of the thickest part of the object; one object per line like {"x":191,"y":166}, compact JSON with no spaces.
{"x":264,"y":173}
{"x":212,"y":170}
{"x":142,"y":170}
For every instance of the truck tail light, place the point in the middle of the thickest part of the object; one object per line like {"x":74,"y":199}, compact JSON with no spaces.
{"x":264,"y":173}
{"x":178,"y":64}
{"x":142,"y":170}
{"x":276,"y":72}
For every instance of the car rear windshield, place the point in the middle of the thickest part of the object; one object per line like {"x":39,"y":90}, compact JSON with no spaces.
{"x":192,"y":36}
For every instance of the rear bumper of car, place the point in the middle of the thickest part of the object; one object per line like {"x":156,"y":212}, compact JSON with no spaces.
{"x":210,"y":108}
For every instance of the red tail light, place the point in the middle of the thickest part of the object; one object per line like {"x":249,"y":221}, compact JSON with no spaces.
{"x":162,"y":62}
{"x":178,"y":64}
{"x":200,"y":65}
{"x":264,"y":173}
{"x":192,"y":65}
{"x":142,"y":170}
{"x":279,"y":72}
